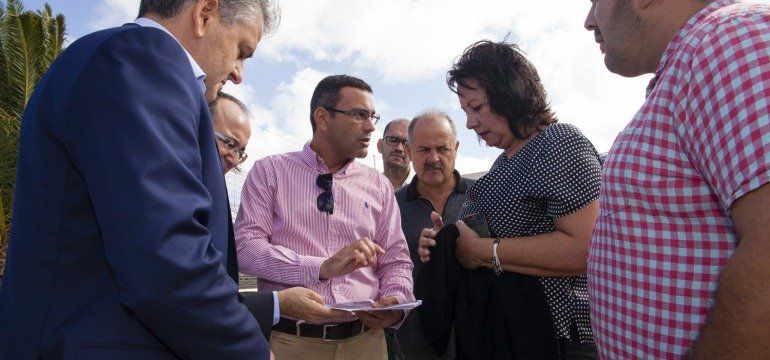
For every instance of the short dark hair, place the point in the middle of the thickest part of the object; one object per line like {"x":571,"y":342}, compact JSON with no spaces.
{"x":231,"y":11}
{"x":387,"y":126}
{"x":223,"y":95}
{"x":327,"y":92}
{"x":511,"y":82}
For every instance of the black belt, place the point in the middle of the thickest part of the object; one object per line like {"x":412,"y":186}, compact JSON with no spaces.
{"x":339,"y":331}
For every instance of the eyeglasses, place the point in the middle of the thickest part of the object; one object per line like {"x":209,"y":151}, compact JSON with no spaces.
{"x":325,"y":201}
{"x":395,"y":140}
{"x":359,"y":116}
{"x":232,"y":146}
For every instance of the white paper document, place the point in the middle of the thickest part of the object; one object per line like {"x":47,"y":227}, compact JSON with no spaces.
{"x":368,"y":305}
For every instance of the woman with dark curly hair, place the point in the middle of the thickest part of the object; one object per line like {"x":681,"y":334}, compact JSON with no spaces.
{"x":522,"y":293}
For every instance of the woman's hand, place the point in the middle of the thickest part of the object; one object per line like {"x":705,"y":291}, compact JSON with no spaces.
{"x":428,"y":237}
{"x":472,"y":251}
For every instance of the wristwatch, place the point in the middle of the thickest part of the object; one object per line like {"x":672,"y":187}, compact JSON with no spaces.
{"x":496,"y":266}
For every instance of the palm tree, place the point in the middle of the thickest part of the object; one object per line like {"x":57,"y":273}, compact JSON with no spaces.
{"x":29,"y":42}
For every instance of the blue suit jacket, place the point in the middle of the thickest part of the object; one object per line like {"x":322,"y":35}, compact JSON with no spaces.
{"x":121,"y":245}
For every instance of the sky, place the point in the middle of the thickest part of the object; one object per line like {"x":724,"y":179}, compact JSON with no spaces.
{"x":403,"y":49}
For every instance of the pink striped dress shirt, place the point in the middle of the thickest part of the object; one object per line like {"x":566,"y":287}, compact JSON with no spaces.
{"x":282,"y":237}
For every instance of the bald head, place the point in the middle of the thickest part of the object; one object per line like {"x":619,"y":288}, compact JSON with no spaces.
{"x":397,"y":122}
{"x":436,"y":117}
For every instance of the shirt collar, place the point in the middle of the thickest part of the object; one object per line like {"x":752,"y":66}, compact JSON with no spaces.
{"x":682,"y":33}
{"x":199,"y":74}
{"x":315,"y":162}
{"x":461,"y":186}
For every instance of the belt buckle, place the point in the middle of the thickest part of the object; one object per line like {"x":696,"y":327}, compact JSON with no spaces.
{"x":323,"y":337}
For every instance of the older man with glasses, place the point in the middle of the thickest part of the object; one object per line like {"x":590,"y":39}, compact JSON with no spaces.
{"x":232,"y":130}
{"x":392,"y":146}
{"x":319,"y":219}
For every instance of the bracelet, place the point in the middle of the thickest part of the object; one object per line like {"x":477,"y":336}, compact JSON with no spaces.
{"x":496,"y":266}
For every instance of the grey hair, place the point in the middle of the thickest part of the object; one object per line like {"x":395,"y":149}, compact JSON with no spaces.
{"x":431,"y":113}
{"x":224,"y":95}
{"x":232,"y":11}
{"x":399,"y":120}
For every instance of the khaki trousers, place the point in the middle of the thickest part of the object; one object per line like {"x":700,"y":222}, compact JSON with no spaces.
{"x":369,"y":345}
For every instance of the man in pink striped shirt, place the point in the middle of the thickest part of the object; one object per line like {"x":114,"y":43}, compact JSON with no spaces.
{"x":318,"y":219}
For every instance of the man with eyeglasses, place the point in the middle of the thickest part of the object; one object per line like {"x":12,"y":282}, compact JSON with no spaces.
{"x":392,"y":146}
{"x":317,"y":218}
{"x":232,"y":130}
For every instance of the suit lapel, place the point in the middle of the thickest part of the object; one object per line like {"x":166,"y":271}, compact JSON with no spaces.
{"x":232,"y":258}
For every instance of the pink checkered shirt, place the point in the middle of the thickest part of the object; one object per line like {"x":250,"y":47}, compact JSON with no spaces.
{"x":283,"y":238}
{"x":700,"y":141}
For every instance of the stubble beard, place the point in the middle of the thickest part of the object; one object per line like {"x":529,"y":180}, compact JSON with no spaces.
{"x":628,"y":32}
{"x":396,"y":167}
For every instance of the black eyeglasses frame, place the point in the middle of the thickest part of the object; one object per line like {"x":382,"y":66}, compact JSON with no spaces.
{"x":357,"y":115}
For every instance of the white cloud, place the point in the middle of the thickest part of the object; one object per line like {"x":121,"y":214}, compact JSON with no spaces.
{"x":471,"y":164}
{"x":414,"y":42}
{"x":110,"y":13}
{"x":404,"y":41}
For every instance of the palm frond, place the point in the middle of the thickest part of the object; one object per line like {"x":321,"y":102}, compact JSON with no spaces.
{"x":18,"y":58}
{"x":29,"y":42}
{"x":4,"y":82}
{"x":53,"y":37}
{"x":9,"y":148}
{"x":34,"y":40}
{"x":9,"y":139}
{"x":14,"y":7}
{"x":3,"y":229}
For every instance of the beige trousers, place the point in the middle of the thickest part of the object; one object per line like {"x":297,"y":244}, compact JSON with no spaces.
{"x":369,"y":345}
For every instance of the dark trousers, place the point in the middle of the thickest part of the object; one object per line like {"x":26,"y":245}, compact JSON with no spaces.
{"x":573,"y":351}
{"x":390,"y":341}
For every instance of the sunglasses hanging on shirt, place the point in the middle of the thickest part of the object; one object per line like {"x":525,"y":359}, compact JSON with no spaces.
{"x":325,"y":201}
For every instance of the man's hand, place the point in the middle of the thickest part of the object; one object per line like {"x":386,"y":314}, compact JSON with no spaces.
{"x":472,"y":251}
{"x":381,"y":319}
{"x":305,"y":304}
{"x":356,"y":255}
{"x":428,"y":236}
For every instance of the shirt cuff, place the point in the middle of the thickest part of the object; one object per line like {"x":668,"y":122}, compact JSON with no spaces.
{"x":276,"y":308}
{"x":309,"y":271}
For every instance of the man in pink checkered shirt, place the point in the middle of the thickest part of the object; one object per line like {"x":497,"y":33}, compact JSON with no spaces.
{"x":680,"y":258}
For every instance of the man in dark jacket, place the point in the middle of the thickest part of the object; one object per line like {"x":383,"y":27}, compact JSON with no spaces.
{"x":437,"y":188}
{"x":121,"y":245}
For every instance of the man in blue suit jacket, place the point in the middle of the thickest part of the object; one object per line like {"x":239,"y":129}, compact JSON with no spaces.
{"x":121,"y":243}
